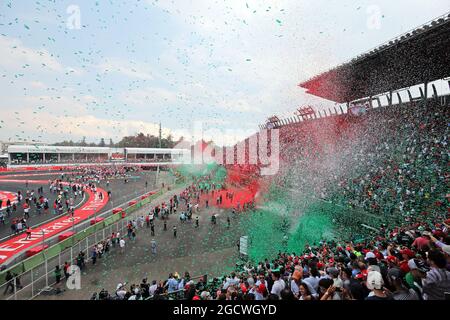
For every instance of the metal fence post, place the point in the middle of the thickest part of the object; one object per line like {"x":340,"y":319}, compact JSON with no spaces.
{"x":71,"y":255}
{"x":32,"y":283}
{"x":15,"y":288}
{"x":46,"y":273}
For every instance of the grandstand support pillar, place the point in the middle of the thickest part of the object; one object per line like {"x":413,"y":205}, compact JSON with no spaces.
{"x":43,"y":157}
{"x":410,"y":96}
{"x":59,"y":157}
{"x":28,"y":157}
{"x":425,"y":93}
{"x":421,"y":92}
{"x":399,"y":98}
{"x":73,"y":156}
{"x":435,"y":94}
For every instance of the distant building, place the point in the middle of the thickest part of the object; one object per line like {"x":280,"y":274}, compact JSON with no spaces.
{"x":5,"y":144}
{"x":19,"y":155}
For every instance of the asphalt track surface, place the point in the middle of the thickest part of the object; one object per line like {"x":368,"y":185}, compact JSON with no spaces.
{"x":209,"y":249}
{"x":121,"y":193}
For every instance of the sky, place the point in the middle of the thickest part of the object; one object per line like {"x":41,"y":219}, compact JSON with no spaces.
{"x":106,"y":69}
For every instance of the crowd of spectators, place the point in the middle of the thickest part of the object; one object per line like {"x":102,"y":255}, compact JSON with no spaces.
{"x":66,"y":193}
{"x":406,"y":263}
{"x":390,"y":163}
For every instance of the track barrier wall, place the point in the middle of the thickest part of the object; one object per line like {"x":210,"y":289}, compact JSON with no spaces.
{"x":33,"y":274}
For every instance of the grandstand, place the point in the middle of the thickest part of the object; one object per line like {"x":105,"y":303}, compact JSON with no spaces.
{"x":359,"y":209}
{"x":26,"y":155}
{"x":416,"y":58}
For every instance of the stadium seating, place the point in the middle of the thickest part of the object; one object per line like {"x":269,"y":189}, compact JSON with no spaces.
{"x":391,"y":163}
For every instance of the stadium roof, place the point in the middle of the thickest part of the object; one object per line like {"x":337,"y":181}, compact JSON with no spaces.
{"x":412,"y":58}
{"x":55,"y":149}
{"x":155,"y":150}
{"x":84,"y":150}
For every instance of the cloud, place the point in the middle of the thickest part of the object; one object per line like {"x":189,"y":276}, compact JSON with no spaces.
{"x":153,"y":97}
{"x":130,"y":68}
{"x":58,"y":128}
{"x":38,"y":84}
{"x":15,"y":56}
{"x":74,"y":71}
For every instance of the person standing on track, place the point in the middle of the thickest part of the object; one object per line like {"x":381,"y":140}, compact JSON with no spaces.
{"x":57,"y":274}
{"x":26,"y":210}
{"x":66,"y":270}
{"x":28,"y":233}
{"x":19,"y":226}
{"x":140,"y":222}
{"x":122,"y":245}
{"x":174,"y":231}
{"x":9,"y":282}
{"x":152,"y":229}
{"x":153,"y":245}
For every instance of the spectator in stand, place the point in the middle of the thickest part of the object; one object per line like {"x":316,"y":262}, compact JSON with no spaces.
{"x":437,"y":281}
{"x":375,"y":284}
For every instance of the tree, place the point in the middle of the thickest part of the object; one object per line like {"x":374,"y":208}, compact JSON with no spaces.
{"x":139,"y":140}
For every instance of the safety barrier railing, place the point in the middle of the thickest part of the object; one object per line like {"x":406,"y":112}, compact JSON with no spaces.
{"x":33,"y":275}
{"x":179,"y":294}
